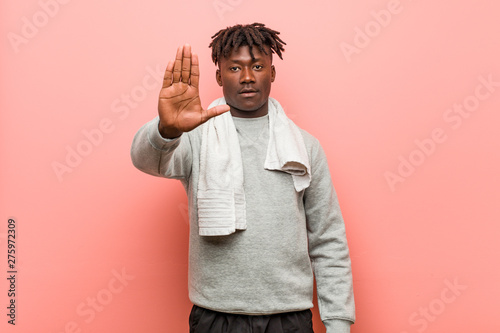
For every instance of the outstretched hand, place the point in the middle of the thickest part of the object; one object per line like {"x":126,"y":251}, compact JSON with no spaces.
{"x":179,"y":105}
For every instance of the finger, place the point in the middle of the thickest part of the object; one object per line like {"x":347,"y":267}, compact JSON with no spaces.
{"x":215,"y":111}
{"x":195,"y":71}
{"x":186,"y":63}
{"x":177,"y":65}
{"x":167,"y":78}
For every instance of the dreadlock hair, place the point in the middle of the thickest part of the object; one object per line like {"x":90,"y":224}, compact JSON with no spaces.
{"x":225,"y":40}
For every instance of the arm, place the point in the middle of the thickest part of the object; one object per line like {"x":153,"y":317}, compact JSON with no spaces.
{"x":328,"y":248}
{"x":158,"y":156}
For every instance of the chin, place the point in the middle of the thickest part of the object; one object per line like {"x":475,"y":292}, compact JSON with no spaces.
{"x":249,"y":107}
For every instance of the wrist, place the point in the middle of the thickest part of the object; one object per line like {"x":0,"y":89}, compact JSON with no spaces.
{"x":337,"y":325}
{"x":168,"y":133}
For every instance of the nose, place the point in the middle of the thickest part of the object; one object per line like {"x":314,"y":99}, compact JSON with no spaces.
{"x":247,"y":75}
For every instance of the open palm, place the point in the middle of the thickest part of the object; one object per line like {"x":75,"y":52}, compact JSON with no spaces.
{"x":179,"y":105}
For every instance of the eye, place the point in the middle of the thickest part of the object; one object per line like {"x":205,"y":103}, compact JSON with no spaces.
{"x":234,"y":69}
{"x":258,"y":67}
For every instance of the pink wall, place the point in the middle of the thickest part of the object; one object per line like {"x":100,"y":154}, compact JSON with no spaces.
{"x":396,"y":91}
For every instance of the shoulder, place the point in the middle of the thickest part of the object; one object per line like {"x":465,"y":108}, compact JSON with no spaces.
{"x":309,"y":139}
{"x":317,"y":156}
{"x":313,"y":146}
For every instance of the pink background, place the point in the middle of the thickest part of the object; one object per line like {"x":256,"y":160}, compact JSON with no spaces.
{"x":373,"y":80}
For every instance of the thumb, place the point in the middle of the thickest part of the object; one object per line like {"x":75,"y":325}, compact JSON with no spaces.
{"x":215,"y":111}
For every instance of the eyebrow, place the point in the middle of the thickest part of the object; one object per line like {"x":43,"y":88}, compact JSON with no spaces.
{"x":239,"y":61}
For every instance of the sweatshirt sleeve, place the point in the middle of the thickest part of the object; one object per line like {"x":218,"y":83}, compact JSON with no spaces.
{"x":328,"y":248}
{"x":157,"y":156}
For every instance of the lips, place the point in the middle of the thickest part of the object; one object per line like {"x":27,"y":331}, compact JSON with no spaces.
{"x":248,"y":92}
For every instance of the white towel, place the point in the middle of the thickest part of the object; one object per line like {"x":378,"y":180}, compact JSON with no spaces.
{"x":221,"y":197}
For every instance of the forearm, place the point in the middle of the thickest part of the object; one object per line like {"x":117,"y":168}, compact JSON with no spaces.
{"x":157,"y":156}
{"x":332,"y":269}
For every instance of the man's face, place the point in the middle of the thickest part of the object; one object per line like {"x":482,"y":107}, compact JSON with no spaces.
{"x":246,"y":82}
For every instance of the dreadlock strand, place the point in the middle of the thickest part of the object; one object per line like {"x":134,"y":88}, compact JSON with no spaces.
{"x":257,"y":39}
{"x":238,"y":41}
{"x":249,"y":38}
{"x":269,"y":38}
{"x":227,"y":33}
{"x":261,"y":41}
{"x":255,"y":34}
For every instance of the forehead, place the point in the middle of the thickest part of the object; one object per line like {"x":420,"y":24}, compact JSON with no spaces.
{"x":242,"y":53}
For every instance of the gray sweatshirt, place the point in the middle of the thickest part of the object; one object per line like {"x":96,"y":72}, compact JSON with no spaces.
{"x":291,"y":237}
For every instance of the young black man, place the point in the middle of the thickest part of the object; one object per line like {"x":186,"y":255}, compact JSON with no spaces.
{"x":264,"y":216}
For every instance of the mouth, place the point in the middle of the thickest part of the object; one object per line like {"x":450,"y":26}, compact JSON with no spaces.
{"x":248,"y":92}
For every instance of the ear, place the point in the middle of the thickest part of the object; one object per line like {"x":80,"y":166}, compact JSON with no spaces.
{"x":273,"y":73}
{"x":218,"y":78}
